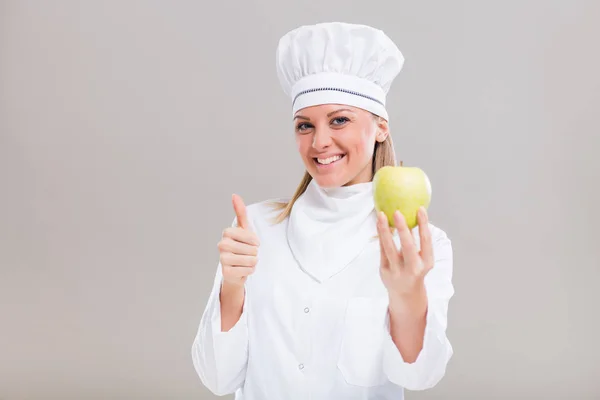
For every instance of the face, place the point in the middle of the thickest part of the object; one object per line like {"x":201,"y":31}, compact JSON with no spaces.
{"x":336,"y":143}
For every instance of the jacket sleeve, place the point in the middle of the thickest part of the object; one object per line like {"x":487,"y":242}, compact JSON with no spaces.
{"x":220,"y":358}
{"x":430,"y":365}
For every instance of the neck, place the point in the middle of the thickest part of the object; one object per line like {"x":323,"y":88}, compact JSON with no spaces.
{"x":348,"y":190}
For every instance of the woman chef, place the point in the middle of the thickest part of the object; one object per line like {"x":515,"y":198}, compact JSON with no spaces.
{"x":315,"y":297}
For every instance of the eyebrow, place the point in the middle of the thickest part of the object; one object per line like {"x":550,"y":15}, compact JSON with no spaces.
{"x":328,"y":115}
{"x":340,"y":110}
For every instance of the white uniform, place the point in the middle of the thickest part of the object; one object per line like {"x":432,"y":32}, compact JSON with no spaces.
{"x":315,"y":323}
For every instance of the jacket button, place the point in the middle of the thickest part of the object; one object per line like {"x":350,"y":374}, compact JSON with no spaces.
{"x":301,"y":366}
{"x":306,"y":310}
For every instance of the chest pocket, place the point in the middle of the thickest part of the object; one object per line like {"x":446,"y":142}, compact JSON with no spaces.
{"x":361,"y":354}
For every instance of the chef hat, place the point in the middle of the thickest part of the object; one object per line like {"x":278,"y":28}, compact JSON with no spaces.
{"x":338,"y":63}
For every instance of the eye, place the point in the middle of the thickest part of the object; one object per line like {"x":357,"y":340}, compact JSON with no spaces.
{"x":303,"y":127}
{"x":340,"y":120}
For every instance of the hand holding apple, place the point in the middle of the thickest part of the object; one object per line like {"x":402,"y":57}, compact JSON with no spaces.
{"x":403,"y":270}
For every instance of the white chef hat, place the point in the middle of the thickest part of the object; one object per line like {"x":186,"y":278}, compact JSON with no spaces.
{"x":339,"y":63}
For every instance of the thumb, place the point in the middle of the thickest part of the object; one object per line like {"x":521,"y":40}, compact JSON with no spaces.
{"x":240,"y":211}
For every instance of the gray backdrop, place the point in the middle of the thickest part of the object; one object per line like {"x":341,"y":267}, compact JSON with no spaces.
{"x":126,"y":125}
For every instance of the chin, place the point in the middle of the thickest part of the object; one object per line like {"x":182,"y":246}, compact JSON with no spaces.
{"x":328,"y":182}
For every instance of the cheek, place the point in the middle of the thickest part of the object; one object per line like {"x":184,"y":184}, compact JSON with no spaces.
{"x":363,"y":145}
{"x":303,"y":144}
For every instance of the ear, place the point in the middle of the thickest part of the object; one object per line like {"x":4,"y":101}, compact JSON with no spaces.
{"x":383,"y":129}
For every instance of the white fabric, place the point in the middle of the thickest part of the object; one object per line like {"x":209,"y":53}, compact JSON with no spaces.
{"x":321,"y":217}
{"x":300,"y":338}
{"x":341,"y":58}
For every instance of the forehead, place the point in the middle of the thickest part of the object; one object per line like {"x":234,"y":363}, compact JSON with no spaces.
{"x":324,"y":109}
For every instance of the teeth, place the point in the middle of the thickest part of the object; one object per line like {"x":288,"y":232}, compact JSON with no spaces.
{"x":328,"y":160}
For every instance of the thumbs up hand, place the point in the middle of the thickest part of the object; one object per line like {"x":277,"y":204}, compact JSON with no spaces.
{"x":238,"y":247}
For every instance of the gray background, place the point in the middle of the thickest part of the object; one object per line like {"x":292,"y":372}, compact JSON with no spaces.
{"x":126,"y":125}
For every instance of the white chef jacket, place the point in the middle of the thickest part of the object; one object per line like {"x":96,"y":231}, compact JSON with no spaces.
{"x":309,"y":334}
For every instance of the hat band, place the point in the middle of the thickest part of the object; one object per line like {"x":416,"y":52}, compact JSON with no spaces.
{"x":336,"y":90}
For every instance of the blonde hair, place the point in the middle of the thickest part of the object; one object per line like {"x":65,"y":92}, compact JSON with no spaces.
{"x":383,"y":155}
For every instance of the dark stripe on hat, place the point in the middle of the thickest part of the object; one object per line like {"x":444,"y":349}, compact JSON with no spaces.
{"x":336,"y":90}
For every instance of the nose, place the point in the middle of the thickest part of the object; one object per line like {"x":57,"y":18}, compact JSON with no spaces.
{"x":321,"y":139}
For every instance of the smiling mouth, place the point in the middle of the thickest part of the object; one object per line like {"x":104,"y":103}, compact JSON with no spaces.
{"x":329,"y":160}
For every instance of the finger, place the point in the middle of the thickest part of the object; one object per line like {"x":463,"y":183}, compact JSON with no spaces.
{"x":240,"y":211}
{"x":385,"y":263}
{"x":386,"y":240}
{"x":228,"y":245}
{"x":407,"y":242}
{"x":241,"y":235}
{"x":425,"y":238}
{"x":236,"y":260}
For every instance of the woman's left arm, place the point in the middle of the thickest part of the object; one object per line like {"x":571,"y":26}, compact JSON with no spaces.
{"x":419,"y":282}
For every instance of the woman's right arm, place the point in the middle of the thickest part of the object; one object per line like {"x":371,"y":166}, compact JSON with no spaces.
{"x":232,"y":305}
{"x":220,"y":348}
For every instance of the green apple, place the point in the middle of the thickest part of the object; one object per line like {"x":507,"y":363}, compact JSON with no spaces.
{"x":401,"y":188}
